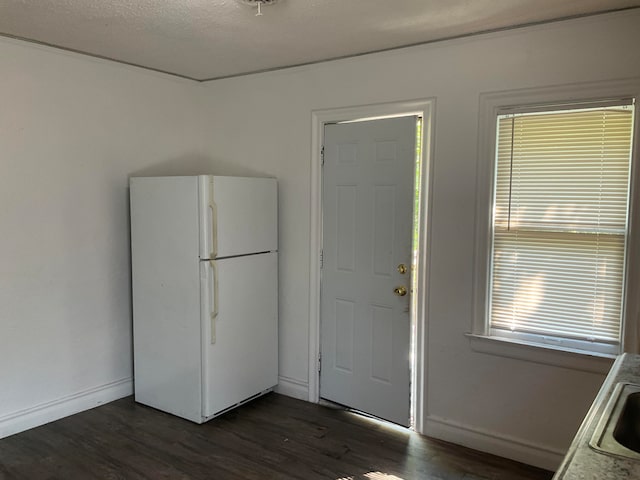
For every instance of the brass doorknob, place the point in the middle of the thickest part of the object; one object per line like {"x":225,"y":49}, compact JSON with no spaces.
{"x":400,"y":291}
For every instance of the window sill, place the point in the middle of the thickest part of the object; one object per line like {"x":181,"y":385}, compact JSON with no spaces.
{"x":544,"y":354}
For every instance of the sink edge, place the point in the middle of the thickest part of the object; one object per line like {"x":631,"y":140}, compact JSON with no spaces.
{"x":602,"y":440}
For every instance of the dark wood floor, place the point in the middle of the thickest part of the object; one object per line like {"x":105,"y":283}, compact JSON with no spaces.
{"x":273,"y":437}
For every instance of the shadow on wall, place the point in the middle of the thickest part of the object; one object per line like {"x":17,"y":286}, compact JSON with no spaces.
{"x":197,"y":165}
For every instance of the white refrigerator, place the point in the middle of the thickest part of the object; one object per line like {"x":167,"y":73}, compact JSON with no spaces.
{"x":205,"y":292}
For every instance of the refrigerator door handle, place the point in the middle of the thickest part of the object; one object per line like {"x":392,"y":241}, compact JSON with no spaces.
{"x":213,"y":208}
{"x":214,"y":309}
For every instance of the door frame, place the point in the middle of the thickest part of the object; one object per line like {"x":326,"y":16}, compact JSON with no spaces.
{"x":424,"y":108}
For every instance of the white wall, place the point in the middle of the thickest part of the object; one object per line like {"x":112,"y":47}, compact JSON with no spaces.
{"x":262,"y":122}
{"x":72,"y":129}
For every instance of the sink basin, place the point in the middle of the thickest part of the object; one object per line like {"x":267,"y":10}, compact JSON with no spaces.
{"x":618,"y":432}
{"x":627,"y":431}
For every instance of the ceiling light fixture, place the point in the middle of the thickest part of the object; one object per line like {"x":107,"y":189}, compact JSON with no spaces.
{"x":259,"y":4}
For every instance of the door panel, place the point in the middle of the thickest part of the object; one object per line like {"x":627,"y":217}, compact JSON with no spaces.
{"x":367,"y":230}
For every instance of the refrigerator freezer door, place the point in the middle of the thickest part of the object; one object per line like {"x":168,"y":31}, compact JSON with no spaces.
{"x":240,"y":343}
{"x":239,"y":216}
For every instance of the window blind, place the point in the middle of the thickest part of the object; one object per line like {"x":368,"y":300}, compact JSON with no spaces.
{"x":560,"y":222}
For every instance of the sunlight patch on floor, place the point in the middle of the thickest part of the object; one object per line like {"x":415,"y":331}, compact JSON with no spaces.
{"x":381,"y":476}
{"x":374,"y":476}
{"x":382,"y":424}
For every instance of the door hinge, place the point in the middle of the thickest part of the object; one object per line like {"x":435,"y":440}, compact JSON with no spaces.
{"x":322,"y":156}
{"x":319,"y":362}
{"x":321,"y":259}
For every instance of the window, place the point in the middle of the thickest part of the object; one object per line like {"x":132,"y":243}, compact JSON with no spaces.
{"x":560,"y":225}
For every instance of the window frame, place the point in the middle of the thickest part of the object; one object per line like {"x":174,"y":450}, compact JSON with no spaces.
{"x":539,"y":99}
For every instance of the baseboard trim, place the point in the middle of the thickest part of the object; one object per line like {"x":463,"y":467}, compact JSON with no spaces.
{"x":496,"y":444}
{"x":292,"y":387}
{"x":62,"y":407}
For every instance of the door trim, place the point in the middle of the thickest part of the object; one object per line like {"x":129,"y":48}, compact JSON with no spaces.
{"x":424,"y":108}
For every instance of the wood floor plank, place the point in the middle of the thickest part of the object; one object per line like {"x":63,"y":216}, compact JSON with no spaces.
{"x":273,"y":437}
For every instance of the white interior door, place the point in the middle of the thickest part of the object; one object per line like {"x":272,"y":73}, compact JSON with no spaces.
{"x":367,"y":228}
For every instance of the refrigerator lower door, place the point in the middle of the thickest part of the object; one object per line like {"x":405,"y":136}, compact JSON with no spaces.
{"x":240,"y":330}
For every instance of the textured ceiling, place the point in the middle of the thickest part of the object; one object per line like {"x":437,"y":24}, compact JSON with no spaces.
{"x":204,"y":39}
